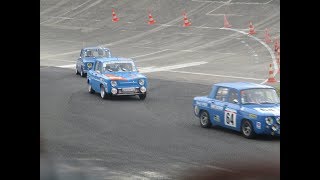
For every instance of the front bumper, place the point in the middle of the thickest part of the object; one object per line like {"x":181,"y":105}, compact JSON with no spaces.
{"x":268,"y":131}
{"x":127,"y":91}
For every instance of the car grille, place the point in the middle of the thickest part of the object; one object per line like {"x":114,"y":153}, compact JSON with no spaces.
{"x":128,"y":83}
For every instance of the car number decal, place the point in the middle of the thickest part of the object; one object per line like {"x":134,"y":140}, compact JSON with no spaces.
{"x":230,"y":117}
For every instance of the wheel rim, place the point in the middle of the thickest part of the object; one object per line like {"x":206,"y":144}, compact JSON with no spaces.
{"x":102,"y":92}
{"x":204,"y":119}
{"x":246,"y":129}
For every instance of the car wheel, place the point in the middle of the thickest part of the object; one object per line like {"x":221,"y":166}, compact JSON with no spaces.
{"x":142,"y":96}
{"x":247,"y":129}
{"x":205,"y":119}
{"x":82,"y":73}
{"x":77,"y":72}
{"x":103,"y":93}
{"x":90,"y":88}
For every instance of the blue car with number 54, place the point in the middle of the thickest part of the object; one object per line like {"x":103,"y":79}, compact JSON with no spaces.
{"x":241,"y":106}
{"x":116,"y":77}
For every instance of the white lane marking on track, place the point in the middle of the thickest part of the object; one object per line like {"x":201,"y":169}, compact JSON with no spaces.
{"x":199,"y":8}
{"x":248,"y":3}
{"x":226,"y":14}
{"x":80,"y":11}
{"x":42,"y":38}
{"x":177,"y":66}
{"x":265,"y":45}
{"x":208,"y":13}
{"x":152,"y":174}
{"x":59,"y":17}
{"x":219,"y":168}
{"x":68,"y":11}
{"x":143,"y":55}
{"x":45,"y":67}
{"x":59,"y":60}
{"x":152,"y":68}
{"x":215,"y":75}
{"x":208,"y":1}
{"x":59,"y":4}
{"x":67,"y":66}
{"x":230,"y":2}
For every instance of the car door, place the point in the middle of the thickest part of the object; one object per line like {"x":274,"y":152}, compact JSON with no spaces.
{"x":217,"y":105}
{"x":98,"y":75}
{"x":231,"y":110}
{"x":94,"y":77}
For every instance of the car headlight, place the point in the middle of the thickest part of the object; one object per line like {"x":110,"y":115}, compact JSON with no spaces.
{"x":141,"y":82}
{"x":274,"y":127}
{"x":113,"y":83}
{"x":269,"y":120}
{"x":278,"y":120}
{"x":89,"y":65}
{"x":143,"y":89}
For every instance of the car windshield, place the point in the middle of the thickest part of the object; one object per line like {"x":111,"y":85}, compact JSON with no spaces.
{"x":118,"y":67}
{"x":97,"y":53}
{"x":259,"y":96}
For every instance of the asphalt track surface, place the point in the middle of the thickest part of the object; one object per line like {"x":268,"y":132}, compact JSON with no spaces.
{"x":158,"y":138}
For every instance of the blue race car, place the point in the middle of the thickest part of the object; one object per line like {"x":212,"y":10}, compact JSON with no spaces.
{"x":87,"y":58}
{"x":116,"y":77}
{"x":241,"y":106}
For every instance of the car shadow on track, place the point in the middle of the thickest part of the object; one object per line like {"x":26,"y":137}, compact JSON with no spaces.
{"x":258,"y":137}
{"x":120,"y":98}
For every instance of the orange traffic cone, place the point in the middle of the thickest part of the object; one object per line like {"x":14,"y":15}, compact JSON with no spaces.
{"x":278,"y":59}
{"x":251,"y":29}
{"x":271,"y":78}
{"x":276,"y":45}
{"x":114,"y":16}
{"x":278,"y":56}
{"x":226,"y":23}
{"x":186,"y":21}
{"x":267,"y":37}
{"x":151,"y":20}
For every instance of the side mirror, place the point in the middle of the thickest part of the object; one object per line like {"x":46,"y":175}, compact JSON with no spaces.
{"x":235,"y":101}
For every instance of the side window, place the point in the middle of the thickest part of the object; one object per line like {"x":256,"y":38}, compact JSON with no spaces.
{"x":96,"y":66}
{"x":222,"y":94}
{"x":233,"y":95}
{"x":99,"y":67}
{"x":82,"y":53}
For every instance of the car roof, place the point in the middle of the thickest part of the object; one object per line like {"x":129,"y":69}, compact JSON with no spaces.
{"x":106,"y":59}
{"x":95,"y":47}
{"x":242,"y":85}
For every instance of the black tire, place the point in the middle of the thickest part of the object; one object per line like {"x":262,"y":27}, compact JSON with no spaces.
{"x":91,"y":91}
{"x":204,"y":119}
{"x":82,"y":74}
{"x":77,"y":72}
{"x":247,"y":129}
{"x":103,"y":93}
{"x":142,"y":96}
